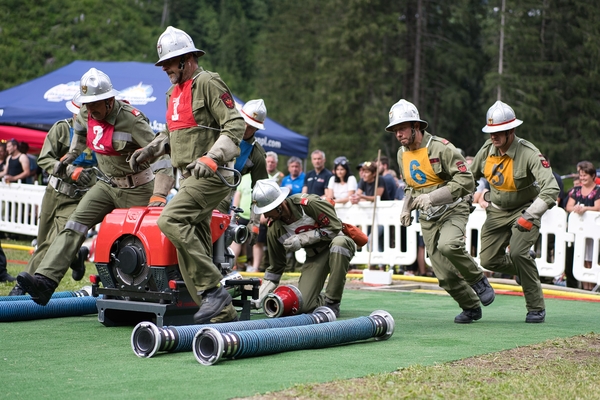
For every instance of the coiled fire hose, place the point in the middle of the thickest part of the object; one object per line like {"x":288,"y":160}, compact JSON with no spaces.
{"x":210,"y":345}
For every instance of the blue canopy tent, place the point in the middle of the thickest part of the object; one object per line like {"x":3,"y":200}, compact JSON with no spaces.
{"x":41,"y":102}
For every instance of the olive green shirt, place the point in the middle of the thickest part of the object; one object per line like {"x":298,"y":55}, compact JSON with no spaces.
{"x":213,"y":116}
{"x":532,"y":175}
{"x":131,"y":131}
{"x":447,"y":163}
{"x":56,"y":144}
{"x":316,"y":208}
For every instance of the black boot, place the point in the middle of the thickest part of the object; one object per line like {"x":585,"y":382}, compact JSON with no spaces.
{"x":78,"y":264}
{"x":468,"y":315}
{"x":38,"y":286}
{"x":535,"y":317}
{"x":213,"y":302}
{"x":333,"y":306}
{"x":6,"y":277}
{"x":17,"y":291}
{"x":484,"y":291}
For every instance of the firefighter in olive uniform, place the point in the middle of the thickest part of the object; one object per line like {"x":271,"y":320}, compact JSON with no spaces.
{"x":113,"y":129}
{"x":204,"y":130}
{"x":309,"y":222}
{"x":438,"y":184}
{"x":522,"y":188}
{"x":252,"y":159}
{"x":62,"y":193}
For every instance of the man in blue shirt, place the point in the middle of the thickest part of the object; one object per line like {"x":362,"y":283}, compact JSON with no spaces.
{"x":317,"y":180}
{"x":295,"y":180}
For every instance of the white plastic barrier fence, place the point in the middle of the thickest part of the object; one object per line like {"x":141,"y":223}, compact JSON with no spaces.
{"x":391,"y":244}
{"x":20,"y":205}
{"x":586,"y":230}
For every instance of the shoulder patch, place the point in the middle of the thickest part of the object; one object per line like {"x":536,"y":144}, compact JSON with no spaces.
{"x":227,"y":100}
{"x":439,"y":139}
{"x":323,"y":219}
{"x":304,"y":201}
{"x":135,"y":112}
{"x":462,"y":167}
{"x":544,"y":161}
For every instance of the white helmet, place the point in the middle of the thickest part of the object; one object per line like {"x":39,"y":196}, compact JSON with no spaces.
{"x":255,"y":113}
{"x":95,"y":85}
{"x":75,"y":104}
{"x":500,"y":117}
{"x":404,"y":111}
{"x":267,"y":195}
{"x":175,"y":42}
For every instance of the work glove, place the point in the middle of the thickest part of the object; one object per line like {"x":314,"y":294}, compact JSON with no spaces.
{"x":154,"y":149}
{"x":525,"y":222}
{"x":60,"y":167}
{"x":80,"y":175}
{"x":266,"y":288}
{"x":204,"y":167}
{"x":405,"y":216}
{"x":296,"y":242}
{"x":438,"y":197}
{"x":163,"y":184}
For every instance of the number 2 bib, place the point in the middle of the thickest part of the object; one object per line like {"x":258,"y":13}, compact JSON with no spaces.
{"x":417,"y":170}
{"x":499,"y":172}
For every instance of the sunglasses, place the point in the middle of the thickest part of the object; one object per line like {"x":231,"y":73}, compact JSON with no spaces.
{"x":340,"y":161}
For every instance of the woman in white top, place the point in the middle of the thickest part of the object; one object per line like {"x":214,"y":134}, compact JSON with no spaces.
{"x":342,"y":184}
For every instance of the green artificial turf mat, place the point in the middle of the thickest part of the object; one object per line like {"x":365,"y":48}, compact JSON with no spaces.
{"x":77,"y":357}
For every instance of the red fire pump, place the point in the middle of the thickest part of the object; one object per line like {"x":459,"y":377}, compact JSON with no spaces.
{"x":141,"y":281}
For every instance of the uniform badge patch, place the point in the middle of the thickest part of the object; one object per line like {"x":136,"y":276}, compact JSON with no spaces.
{"x":545,"y":163}
{"x":461,"y":166}
{"x":135,"y":112}
{"x":304,"y":201}
{"x":227,"y":100}
{"x":323,"y":219}
{"x":434,"y":160}
{"x":445,"y":141}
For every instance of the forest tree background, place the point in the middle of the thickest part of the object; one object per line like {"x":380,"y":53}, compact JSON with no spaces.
{"x":331,"y":69}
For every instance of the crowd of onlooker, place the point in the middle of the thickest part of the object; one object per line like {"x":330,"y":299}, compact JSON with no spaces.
{"x":17,"y":164}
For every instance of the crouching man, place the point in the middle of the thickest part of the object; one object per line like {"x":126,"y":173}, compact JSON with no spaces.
{"x":304,"y":221}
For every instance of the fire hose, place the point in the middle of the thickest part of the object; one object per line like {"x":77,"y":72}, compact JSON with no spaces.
{"x":85,"y":291}
{"x":25,"y":310}
{"x":210,"y":345}
{"x":147,"y":339}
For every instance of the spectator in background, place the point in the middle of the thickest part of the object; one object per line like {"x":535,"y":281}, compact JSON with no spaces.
{"x":242,"y":198}
{"x":388,"y":180}
{"x":34,"y":170}
{"x":3,"y":155}
{"x":272,"y":171}
{"x":585,"y":197}
{"x":316,"y":180}
{"x":342,"y":184}
{"x":366,"y":186}
{"x":17,"y":164}
{"x":295,"y":180}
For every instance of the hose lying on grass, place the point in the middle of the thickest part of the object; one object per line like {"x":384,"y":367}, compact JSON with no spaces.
{"x":25,"y":310}
{"x":147,"y":339}
{"x":210,"y":345}
{"x":84,"y":291}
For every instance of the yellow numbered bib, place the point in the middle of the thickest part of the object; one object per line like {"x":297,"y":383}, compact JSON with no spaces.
{"x":417,"y":169}
{"x":499,"y":172}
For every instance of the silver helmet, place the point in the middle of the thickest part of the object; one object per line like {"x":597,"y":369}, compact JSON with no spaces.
{"x":404,"y":111}
{"x":267,"y":195}
{"x":175,"y":42}
{"x":255,"y":113}
{"x":500,"y":117}
{"x":95,"y":85}
{"x":74,"y":105}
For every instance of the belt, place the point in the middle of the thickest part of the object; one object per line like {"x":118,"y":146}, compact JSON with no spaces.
{"x":68,"y":189}
{"x":132,"y":180}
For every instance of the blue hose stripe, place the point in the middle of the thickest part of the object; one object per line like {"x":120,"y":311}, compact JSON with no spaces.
{"x":56,"y":295}
{"x":25,"y":310}
{"x":188,"y":332}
